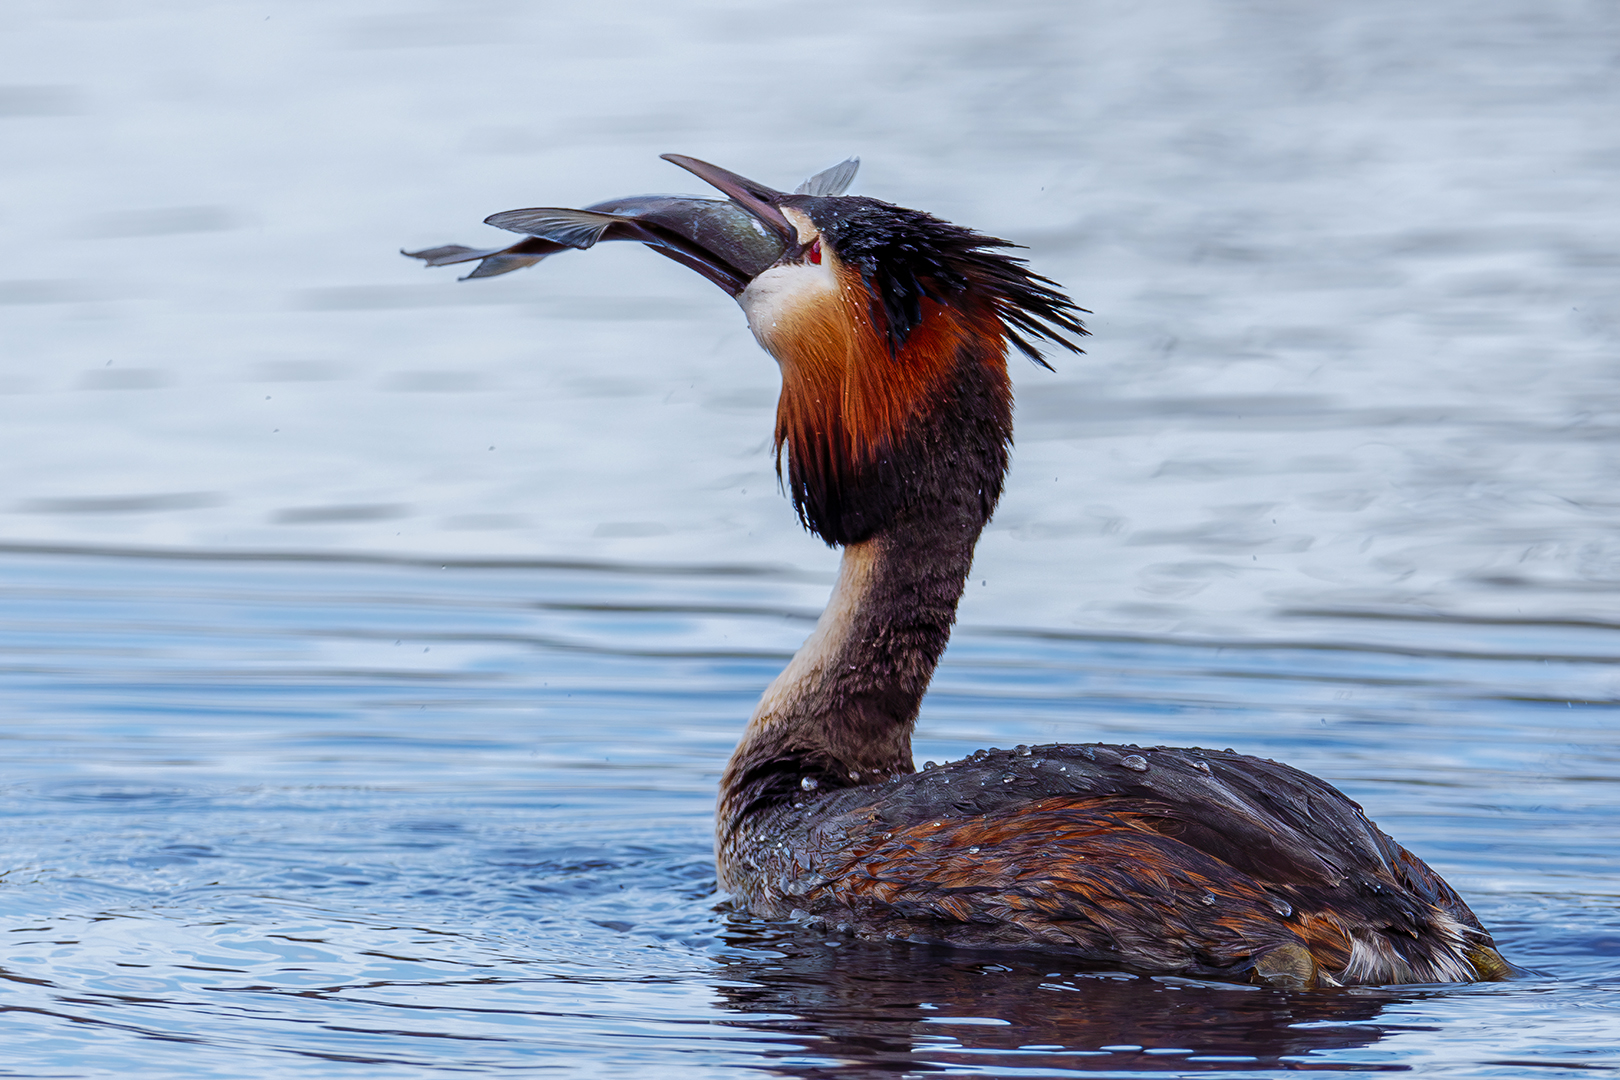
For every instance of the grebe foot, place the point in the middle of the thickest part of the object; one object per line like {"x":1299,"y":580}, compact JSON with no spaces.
{"x":1489,"y":963}
{"x":1287,"y":967}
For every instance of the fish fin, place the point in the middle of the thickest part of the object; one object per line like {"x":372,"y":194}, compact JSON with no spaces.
{"x":572,"y":228}
{"x":450,"y":254}
{"x":502,"y":262}
{"x":833,"y":181}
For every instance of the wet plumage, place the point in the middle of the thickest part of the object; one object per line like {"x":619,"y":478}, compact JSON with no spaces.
{"x":892,"y":328}
{"x":1193,"y":862}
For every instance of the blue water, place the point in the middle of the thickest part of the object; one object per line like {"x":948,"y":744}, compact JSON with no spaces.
{"x":346,"y":818}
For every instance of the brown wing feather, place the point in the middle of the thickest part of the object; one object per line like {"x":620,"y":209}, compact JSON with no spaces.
{"x":1065,"y":873}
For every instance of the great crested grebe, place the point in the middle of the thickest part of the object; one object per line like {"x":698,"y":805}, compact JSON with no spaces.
{"x":891,"y":328}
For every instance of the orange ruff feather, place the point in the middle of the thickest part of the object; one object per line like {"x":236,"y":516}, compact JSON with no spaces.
{"x":846,"y":402}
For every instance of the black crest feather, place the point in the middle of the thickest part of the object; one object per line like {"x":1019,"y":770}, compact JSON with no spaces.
{"x":906,"y":256}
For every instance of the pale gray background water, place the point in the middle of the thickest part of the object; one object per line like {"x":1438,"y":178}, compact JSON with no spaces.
{"x":1335,"y":484}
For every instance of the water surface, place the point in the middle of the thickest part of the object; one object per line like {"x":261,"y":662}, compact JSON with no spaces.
{"x":315,"y":816}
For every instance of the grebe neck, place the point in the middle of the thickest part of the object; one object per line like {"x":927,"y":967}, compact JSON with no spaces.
{"x":842,"y":711}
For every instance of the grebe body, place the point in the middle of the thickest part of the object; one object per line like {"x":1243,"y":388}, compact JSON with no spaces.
{"x":891,"y":329}
{"x":1198,"y":863}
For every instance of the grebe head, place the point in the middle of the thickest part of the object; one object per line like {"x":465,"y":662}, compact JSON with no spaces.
{"x":872,"y":311}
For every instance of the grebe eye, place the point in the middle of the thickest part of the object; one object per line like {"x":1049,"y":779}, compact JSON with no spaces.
{"x":814,"y":253}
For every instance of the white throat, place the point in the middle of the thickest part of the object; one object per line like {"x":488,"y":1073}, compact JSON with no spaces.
{"x":785,"y":295}
{"x":805,"y":673}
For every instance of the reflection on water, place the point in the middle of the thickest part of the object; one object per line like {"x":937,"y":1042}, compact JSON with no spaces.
{"x":338,"y":814}
{"x":889,"y":1009}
